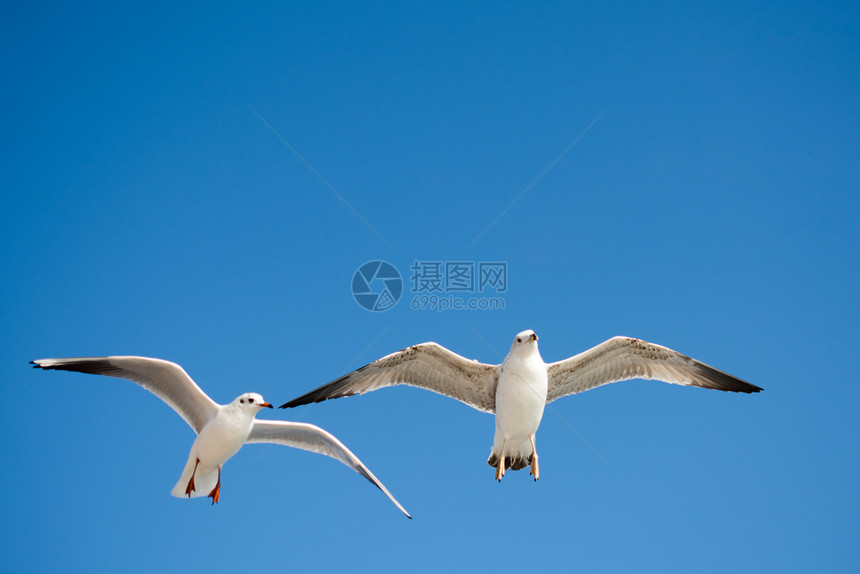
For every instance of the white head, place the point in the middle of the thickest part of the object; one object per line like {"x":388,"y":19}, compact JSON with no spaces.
{"x":252,"y":402}
{"x":525,"y":341}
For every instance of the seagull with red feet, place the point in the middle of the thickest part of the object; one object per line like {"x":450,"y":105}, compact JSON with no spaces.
{"x":221,"y":429}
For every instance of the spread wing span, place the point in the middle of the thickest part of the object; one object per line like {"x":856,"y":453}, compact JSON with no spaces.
{"x":623,"y":358}
{"x":166,"y":380}
{"x":428,"y":366}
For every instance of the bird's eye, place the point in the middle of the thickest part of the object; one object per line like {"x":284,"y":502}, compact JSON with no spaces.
{"x":242,"y":401}
{"x":519,"y":340}
{"x":251,"y":400}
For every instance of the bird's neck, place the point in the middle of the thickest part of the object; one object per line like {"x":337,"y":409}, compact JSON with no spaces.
{"x":527,"y":355}
{"x":239,"y":415}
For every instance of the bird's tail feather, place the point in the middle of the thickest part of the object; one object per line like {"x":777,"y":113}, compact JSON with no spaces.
{"x":205,"y":480}
{"x":517,"y":456}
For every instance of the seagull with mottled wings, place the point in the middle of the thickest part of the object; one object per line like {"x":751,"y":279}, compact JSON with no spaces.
{"x":518,"y":390}
{"x":221,"y":430}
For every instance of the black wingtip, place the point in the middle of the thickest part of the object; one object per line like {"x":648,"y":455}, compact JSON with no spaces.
{"x":722,"y":381}
{"x":749,"y":388}
{"x":315,"y":396}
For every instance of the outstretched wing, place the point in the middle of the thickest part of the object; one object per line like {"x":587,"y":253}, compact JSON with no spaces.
{"x":428,"y":366}
{"x":314,"y":439}
{"x":623,"y":358}
{"x":168,"y":381}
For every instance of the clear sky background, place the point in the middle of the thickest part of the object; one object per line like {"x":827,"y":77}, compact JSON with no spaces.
{"x":200,"y":182}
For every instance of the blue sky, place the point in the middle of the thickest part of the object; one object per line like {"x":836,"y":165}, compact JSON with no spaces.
{"x":200,"y":182}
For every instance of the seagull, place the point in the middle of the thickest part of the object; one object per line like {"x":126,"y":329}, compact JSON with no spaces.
{"x":518,"y":390}
{"x":221,"y":429}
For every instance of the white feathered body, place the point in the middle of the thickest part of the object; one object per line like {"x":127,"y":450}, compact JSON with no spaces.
{"x":520,"y":401}
{"x":217,"y":442}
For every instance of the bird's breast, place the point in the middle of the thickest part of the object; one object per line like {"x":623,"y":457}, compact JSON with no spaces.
{"x":222,"y":438}
{"x":521,"y":396}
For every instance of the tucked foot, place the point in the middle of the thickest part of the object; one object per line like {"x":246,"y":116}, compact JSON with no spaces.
{"x":216,"y":492}
{"x":500,"y":466}
{"x":190,"y":488}
{"x":534,"y":469}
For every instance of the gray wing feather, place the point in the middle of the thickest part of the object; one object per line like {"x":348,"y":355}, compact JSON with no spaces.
{"x":623,"y":358}
{"x":428,"y":366}
{"x":168,"y":381}
{"x":314,"y":439}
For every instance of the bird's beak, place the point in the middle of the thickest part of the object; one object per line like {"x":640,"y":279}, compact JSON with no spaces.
{"x":266,"y":405}
{"x":533,"y":337}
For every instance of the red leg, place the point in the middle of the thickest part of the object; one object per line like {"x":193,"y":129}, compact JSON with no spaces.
{"x":216,"y":492}
{"x":190,"y":488}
